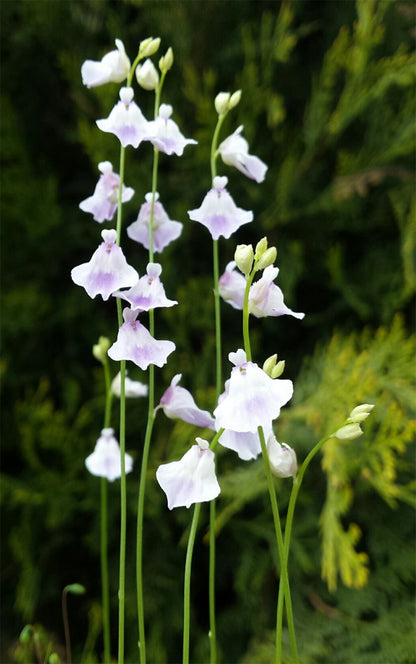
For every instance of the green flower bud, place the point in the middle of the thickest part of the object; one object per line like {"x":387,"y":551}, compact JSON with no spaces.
{"x":278,"y":369}
{"x":222,"y":102}
{"x":244,"y":258}
{"x":360,"y":413}
{"x":166,"y":61}
{"x":267,"y":258}
{"x":261,"y":247}
{"x":75,"y":589}
{"x":234,"y":99}
{"x":100,"y":350}
{"x":149,"y":46}
{"x":349,"y":432}
{"x":26,"y":634}
{"x":270,"y":364}
{"x":53,"y":658}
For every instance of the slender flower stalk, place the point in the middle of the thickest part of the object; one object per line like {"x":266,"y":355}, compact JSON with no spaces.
{"x":150,"y":415}
{"x":105,"y":590}
{"x":187,"y":584}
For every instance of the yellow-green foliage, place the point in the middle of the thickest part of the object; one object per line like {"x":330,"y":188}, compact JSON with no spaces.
{"x":361,"y":368}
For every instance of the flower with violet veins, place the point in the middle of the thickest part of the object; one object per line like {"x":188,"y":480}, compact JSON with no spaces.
{"x":148,"y":292}
{"x":113,"y":68}
{"x":232,"y":286}
{"x":135,"y":343}
{"x":126,"y":121}
{"x":103,"y":203}
{"x":266,"y":299}
{"x":107,"y":271}
{"x":251,"y":397}
{"x":165,"y":134}
{"x":164,"y":229}
{"x":234,"y":152}
{"x":105,"y":460}
{"x":192,"y":479}
{"x":132,"y":388}
{"x":282,"y":458}
{"x":219,"y":213}
{"x":178,"y":403}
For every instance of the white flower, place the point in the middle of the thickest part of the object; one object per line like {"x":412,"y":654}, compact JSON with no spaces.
{"x":192,"y":479}
{"x":132,"y":388}
{"x":165,"y":135}
{"x":105,"y":460}
{"x":113,"y":68}
{"x":147,"y":76}
{"x":282,"y":458}
{"x":126,"y":121}
{"x":234,"y":152}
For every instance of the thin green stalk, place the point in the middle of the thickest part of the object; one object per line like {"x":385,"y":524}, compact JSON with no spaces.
{"x":150,"y":416}
{"x":66,"y":627}
{"x":284,"y":579}
{"x":105,"y":589}
{"x":187,"y":584}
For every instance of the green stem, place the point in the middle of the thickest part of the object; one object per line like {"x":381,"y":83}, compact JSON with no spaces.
{"x":66,"y":627}
{"x":105,"y":589}
{"x":284,"y":579}
{"x":187,"y":584}
{"x":246,"y":316}
{"x":150,"y":416}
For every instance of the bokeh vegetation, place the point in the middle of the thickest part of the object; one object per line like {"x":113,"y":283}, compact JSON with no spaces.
{"x":329,"y":104}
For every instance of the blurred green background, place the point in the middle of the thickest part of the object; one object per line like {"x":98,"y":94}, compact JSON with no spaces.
{"x":329,"y":104}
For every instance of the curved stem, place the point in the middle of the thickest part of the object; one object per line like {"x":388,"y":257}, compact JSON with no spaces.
{"x":187,"y":584}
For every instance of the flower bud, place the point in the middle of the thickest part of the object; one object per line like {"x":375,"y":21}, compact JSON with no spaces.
{"x":278,"y":369}
{"x":267,"y":258}
{"x":75,"y":589}
{"x":222,"y":102}
{"x":261,"y":247}
{"x":100,"y":350}
{"x":270,"y":364}
{"x":349,"y":432}
{"x":53,"y":658}
{"x":149,"y":46}
{"x":282,"y":458}
{"x":234,"y":99}
{"x":26,"y":634}
{"x":166,"y":61}
{"x":244,"y":258}
{"x":360,"y":413}
{"x":147,"y":76}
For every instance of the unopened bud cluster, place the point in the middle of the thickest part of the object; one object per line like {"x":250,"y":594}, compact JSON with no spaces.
{"x":225,"y":101}
{"x":352,"y":429}
{"x":272,"y":367}
{"x":263,"y":256}
{"x":100,"y":350}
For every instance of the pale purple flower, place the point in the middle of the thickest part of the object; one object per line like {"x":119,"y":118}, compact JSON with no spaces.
{"x":282,"y":458}
{"x":165,"y":135}
{"x":105,"y":460}
{"x":234,"y":152}
{"x":103,"y":203}
{"x":148,"y":292}
{"x":113,"y":68}
{"x":192,"y":479}
{"x":245,"y":443}
{"x":135,"y":343}
{"x":164,"y":229}
{"x":178,"y":403}
{"x":132,"y":388}
{"x":251,"y":398}
{"x":126,"y":121}
{"x":266,"y":299}
{"x":232,"y":286}
{"x":219,"y":213}
{"x":107,"y":271}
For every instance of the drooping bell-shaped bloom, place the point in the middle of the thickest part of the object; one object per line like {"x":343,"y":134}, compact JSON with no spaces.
{"x":164,"y":229}
{"x":105,"y":460}
{"x":192,"y":479}
{"x":103,"y":203}
{"x":178,"y":403}
{"x":165,"y":134}
{"x":126,"y":121}
{"x":219,"y":213}
{"x":113,"y":68}
{"x":232,"y":285}
{"x":132,"y":388}
{"x":135,"y":343}
{"x":148,"y":292}
{"x":234,"y":152}
{"x":107,"y":271}
{"x":251,"y":398}
{"x":282,"y":458}
{"x":266,"y":299}
{"x":245,"y":443}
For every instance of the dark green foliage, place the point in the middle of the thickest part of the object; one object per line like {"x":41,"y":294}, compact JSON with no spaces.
{"x":328,"y":103}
